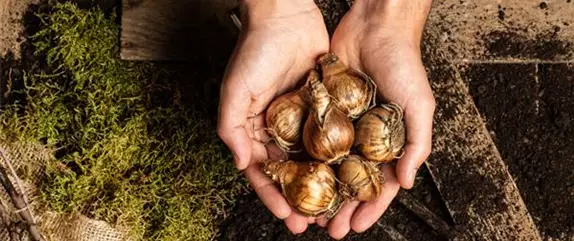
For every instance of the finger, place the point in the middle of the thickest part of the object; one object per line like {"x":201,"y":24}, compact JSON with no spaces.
{"x":311,"y":220}
{"x":296,"y":223}
{"x":233,"y":112}
{"x":322,"y":221}
{"x":274,"y":152}
{"x":419,"y":120}
{"x":267,"y":192}
{"x":340,"y":225}
{"x":256,"y":127}
{"x":369,"y":212}
{"x":258,"y":151}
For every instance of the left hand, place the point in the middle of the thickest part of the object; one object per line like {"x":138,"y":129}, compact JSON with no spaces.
{"x":382,"y":39}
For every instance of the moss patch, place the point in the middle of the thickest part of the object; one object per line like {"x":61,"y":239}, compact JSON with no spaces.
{"x":126,"y":151}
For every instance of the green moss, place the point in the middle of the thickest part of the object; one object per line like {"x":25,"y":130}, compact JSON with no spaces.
{"x":120,"y":156}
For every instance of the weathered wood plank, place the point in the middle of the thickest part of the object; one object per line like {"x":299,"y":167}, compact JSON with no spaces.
{"x":171,"y":29}
{"x":425,"y":214}
{"x":470,"y":174}
{"x":506,"y":30}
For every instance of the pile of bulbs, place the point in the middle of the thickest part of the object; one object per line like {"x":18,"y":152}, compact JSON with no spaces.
{"x":335,"y":119}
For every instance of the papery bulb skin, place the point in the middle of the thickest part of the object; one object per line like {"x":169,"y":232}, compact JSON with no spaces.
{"x":353,"y":90}
{"x":380,"y":133}
{"x":328,"y":133}
{"x":286,"y":116}
{"x":359,"y":179}
{"x":309,"y":187}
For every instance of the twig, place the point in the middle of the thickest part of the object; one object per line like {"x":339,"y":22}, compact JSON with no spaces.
{"x":349,"y":3}
{"x":18,"y":200}
{"x":235,"y":18}
{"x":8,"y":84}
{"x":425,"y":214}
{"x":18,"y":182}
{"x":5,"y":216}
{"x":392,"y":232}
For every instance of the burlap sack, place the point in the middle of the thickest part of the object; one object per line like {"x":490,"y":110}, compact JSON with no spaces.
{"x":29,"y":160}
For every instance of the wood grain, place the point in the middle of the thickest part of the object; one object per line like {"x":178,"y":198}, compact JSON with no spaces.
{"x":466,"y":166}
{"x":170,"y":29}
{"x":430,"y":218}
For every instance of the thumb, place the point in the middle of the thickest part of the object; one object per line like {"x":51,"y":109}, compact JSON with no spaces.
{"x":232,"y":118}
{"x":419,"y":119}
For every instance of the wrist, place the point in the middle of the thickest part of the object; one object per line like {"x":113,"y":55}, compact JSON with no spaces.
{"x":403,"y":19}
{"x":267,"y":9}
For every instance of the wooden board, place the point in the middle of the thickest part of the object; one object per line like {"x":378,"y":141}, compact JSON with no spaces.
{"x":488,"y":30}
{"x":466,"y":166}
{"x":172,"y":29}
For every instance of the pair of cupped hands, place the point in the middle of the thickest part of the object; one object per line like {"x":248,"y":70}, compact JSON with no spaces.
{"x":280,"y":42}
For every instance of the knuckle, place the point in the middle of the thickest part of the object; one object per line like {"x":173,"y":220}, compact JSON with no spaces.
{"x":426,"y":151}
{"x":430,"y":103}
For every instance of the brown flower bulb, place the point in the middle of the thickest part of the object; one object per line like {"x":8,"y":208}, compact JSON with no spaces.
{"x":380,"y":133}
{"x":359,"y":179}
{"x":328,"y":133}
{"x":286,"y":116}
{"x":309,"y":187}
{"x":353,"y":90}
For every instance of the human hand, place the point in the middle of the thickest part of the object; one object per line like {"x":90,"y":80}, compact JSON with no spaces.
{"x":279,"y":44}
{"x":382,"y":38}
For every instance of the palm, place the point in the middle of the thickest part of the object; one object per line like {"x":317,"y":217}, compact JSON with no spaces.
{"x":398,"y":66}
{"x":395,"y":65}
{"x":271,"y":57}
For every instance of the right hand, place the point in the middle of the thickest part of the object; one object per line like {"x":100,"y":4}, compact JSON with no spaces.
{"x":280,"y":42}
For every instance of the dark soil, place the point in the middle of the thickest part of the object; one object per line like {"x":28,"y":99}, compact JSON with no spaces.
{"x":252,"y":221}
{"x":514,"y":43}
{"x":530,"y":110}
{"x":333,"y":11}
